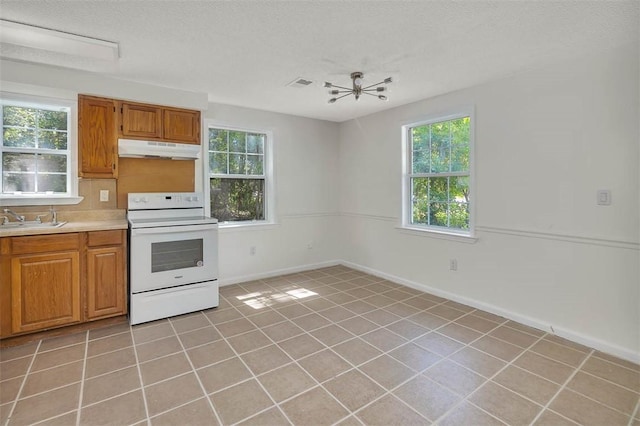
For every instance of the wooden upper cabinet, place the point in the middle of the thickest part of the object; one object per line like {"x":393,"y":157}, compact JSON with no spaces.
{"x":140,"y":121}
{"x":181,"y":125}
{"x":97,"y":136}
{"x":152,"y":122}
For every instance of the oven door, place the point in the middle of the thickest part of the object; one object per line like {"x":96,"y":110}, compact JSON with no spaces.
{"x":170,"y":256}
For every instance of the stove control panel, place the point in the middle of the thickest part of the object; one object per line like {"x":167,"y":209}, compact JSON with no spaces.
{"x":165,"y":200}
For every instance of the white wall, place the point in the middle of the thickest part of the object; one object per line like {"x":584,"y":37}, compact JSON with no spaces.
{"x":306,"y":197}
{"x":546,"y":141}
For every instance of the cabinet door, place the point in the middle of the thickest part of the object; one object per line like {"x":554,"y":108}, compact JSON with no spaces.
{"x":45,"y":291}
{"x":97,"y":137}
{"x":105,"y":282}
{"x":182,"y":126}
{"x":141,"y":121}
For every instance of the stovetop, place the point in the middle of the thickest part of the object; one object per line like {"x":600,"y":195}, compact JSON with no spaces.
{"x":157,"y":209}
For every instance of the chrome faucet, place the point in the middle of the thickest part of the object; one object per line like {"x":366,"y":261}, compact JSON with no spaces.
{"x":54,"y":216}
{"x":18,"y":217}
{"x":52,"y":212}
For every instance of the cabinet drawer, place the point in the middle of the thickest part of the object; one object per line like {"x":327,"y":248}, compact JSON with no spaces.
{"x":105,"y":238}
{"x":45,"y":243}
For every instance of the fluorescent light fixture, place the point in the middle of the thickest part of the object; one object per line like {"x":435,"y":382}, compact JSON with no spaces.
{"x":29,"y":36}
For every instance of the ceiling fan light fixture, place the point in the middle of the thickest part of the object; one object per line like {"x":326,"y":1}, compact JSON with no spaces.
{"x":357,"y":88}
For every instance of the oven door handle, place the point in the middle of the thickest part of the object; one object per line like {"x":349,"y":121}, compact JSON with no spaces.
{"x":174,"y":229}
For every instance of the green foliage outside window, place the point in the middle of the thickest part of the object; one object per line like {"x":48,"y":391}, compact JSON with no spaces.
{"x":237,"y":175}
{"x":34,"y":150}
{"x":440,"y":174}
{"x":237,"y":199}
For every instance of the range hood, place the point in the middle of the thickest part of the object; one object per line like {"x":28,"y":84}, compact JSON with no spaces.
{"x":151,"y":149}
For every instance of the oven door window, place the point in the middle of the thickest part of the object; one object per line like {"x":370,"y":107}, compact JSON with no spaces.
{"x":173,"y":255}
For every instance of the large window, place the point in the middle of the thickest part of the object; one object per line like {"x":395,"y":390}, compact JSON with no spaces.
{"x":238,"y":175}
{"x":438,"y":175}
{"x":35,"y":148}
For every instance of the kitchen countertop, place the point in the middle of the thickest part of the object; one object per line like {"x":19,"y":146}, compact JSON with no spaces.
{"x":71,"y":226}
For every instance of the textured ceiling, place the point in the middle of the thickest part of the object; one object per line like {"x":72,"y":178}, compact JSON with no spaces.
{"x":245,"y":52}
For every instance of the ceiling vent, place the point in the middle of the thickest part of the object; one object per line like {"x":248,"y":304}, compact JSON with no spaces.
{"x":300,"y":82}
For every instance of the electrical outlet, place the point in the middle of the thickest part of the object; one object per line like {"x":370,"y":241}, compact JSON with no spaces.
{"x":252,"y":250}
{"x":309,"y":245}
{"x":604,"y":197}
{"x":104,"y":195}
{"x":453,"y":264}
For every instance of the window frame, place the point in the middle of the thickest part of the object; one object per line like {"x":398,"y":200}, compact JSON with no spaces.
{"x":269,"y":196}
{"x":407,"y":175}
{"x":43,"y":102}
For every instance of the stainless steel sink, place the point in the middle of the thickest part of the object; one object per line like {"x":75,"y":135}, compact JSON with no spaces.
{"x":29,"y":225}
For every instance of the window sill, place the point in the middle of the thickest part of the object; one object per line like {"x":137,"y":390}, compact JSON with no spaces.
{"x":431,"y":233}
{"x":247,"y":226}
{"x":38,"y":200}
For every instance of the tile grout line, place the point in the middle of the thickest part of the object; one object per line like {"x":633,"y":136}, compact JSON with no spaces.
{"x":253,"y":376}
{"x":603,"y":403}
{"x":318,"y":383}
{"x":612,"y":382}
{"x":195,"y":373}
{"x":387,"y":392}
{"x":24,"y":381}
{"x":563,"y":386}
{"x":144,"y":395}
{"x":636,"y":412}
{"x":488,"y":379}
{"x":324,"y":347}
{"x":82,"y":378}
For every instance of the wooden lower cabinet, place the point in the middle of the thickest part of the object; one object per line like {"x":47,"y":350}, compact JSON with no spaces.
{"x":106,"y":294}
{"x":57,"y":280}
{"x":45,"y":291}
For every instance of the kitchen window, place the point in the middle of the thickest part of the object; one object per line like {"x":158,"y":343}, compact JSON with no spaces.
{"x":438,"y":192}
{"x":37,"y":146}
{"x":238,"y":175}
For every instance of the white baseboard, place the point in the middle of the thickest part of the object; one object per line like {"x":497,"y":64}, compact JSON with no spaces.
{"x":261,"y":275}
{"x":572,"y":335}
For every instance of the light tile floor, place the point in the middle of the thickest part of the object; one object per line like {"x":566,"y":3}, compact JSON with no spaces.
{"x":328,"y":346}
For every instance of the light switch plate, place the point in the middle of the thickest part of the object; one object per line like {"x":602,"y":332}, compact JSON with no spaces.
{"x":604,"y":197}
{"x":104,"y":195}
